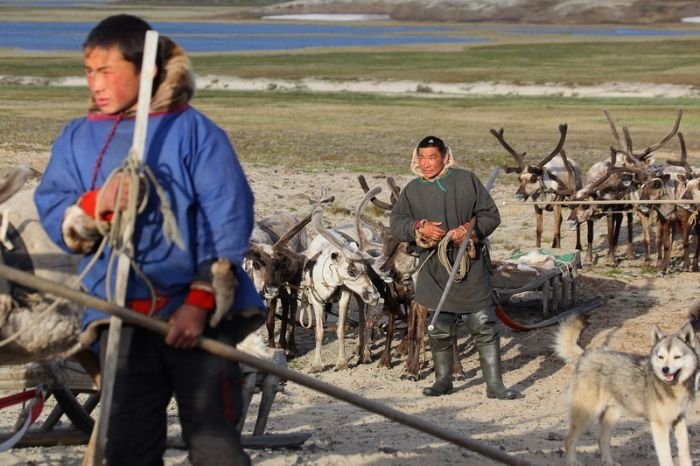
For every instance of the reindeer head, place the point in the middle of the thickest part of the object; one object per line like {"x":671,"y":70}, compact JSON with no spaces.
{"x":644,"y":158}
{"x":532,"y":177}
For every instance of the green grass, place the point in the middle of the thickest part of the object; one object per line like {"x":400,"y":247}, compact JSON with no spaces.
{"x":582,"y":63}
{"x":371,"y":133}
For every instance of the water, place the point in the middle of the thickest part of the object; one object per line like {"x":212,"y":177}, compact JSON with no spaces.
{"x":230,"y":37}
{"x":264,"y":36}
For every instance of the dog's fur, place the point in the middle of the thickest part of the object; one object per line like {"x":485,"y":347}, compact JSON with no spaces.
{"x":659,"y":387}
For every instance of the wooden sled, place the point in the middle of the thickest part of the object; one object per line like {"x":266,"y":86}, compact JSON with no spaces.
{"x":76,"y":397}
{"x":536,"y":288}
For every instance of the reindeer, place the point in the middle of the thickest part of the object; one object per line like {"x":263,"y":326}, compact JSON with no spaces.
{"x":552,"y":179}
{"x":643,"y":161}
{"x":671,"y":182}
{"x":606,"y":180}
{"x":688,"y":213}
{"x":275,"y":262}
{"x":334,"y":270}
{"x":397,"y":263}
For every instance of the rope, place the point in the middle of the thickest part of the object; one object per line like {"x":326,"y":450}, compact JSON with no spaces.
{"x":136,"y":174}
{"x":464,"y":264}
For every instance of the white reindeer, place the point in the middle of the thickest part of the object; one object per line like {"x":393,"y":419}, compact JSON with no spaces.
{"x":335,"y":267}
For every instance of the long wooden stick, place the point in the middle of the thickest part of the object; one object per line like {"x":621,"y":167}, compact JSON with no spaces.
{"x":229,"y":352}
{"x":100,"y":432}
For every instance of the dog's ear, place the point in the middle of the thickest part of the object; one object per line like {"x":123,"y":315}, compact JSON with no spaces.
{"x":656,"y":334}
{"x":687,"y":334}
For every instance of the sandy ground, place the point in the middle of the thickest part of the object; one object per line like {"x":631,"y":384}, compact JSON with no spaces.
{"x":406,"y":87}
{"x":531,"y":428}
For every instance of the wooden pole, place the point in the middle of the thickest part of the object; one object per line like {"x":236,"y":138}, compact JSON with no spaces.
{"x":100,"y":432}
{"x":231,"y":353}
{"x":607,"y":202}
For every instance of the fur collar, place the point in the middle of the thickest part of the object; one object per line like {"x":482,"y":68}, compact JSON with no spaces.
{"x":177,"y":84}
{"x":415,"y":167}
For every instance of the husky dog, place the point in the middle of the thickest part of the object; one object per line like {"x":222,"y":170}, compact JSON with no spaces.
{"x":659,"y":387}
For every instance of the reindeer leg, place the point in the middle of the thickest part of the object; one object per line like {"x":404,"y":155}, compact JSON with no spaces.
{"x":612,"y":240}
{"x":343,"y":304}
{"x":685,"y":239}
{"x":646,"y":227}
{"x":578,"y":237}
{"x":385,"y":360}
{"x":556,"y":241}
{"x":364,"y":353}
{"x":292,"y":316}
{"x":630,"y":236}
{"x":538,"y":231}
{"x":284,"y":300}
{"x":589,"y":241}
{"x":412,"y":357}
{"x":317,"y":364}
{"x":270,"y":323}
{"x":697,"y":246}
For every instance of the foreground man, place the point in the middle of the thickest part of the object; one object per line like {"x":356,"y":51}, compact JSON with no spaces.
{"x":440,"y":202}
{"x":211,"y":203}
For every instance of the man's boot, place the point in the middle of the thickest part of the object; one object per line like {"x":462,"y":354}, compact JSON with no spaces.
{"x":442,"y":362}
{"x":490,"y":359}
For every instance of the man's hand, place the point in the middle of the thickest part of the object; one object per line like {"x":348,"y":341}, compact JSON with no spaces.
{"x":186,"y":326}
{"x":459,"y":234}
{"x":432,"y":231}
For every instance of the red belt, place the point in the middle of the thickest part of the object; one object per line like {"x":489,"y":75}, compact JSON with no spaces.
{"x":146,"y":306}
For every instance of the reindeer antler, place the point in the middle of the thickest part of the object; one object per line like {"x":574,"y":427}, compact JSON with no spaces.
{"x":627,"y":148}
{"x":562,"y":137}
{"x":519,"y":158}
{"x":375,"y":201}
{"x":683,"y":162}
{"x":361,"y":240}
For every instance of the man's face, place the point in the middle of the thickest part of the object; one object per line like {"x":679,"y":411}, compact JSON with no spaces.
{"x":113,"y":81}
{"x":430,"y":161}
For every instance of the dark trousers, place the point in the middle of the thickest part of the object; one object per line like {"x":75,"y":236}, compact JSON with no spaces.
{"x":481,"y":326}
{"x":207,"y":389}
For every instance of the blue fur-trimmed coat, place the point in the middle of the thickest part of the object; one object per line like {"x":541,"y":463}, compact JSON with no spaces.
{"x":196,"y":165}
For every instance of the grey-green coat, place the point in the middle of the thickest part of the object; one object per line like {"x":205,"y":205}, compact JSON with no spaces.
{"x":452,"y":199}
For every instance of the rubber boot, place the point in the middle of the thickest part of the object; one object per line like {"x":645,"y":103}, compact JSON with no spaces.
{"x":442,"y":362}
{"x":490,"y":359}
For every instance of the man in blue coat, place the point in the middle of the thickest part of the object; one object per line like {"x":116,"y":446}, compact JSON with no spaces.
{"x":211,"y":203}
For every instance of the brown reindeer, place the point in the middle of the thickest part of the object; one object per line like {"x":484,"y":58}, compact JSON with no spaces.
{"x":276,"y":265}
{"x":606,"y":180}
{"x":673,"y":183}
{"x":643,"y":161}
{"x":552,"y":179}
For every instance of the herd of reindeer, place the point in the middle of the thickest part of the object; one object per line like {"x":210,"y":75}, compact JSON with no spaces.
{"x":362,"y":261}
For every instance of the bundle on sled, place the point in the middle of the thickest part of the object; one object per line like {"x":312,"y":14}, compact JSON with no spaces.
{"x":32,"y":327}
{"x":541,"y":279}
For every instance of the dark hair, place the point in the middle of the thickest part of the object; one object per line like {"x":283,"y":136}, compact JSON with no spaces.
{"x":432,"y":141}
{"x":128,"y":33}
